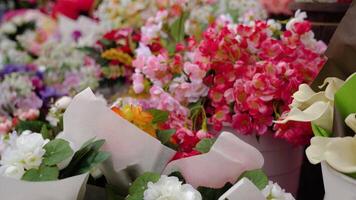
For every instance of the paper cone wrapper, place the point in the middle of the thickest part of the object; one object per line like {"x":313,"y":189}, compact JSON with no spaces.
{"x":337,"y":185}
{"x":227,"y":159}
{"x":243,"y":190}
{"x":132,"y":150}
{"x":72,"y":188}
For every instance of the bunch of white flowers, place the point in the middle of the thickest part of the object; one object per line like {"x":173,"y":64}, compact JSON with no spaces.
{"x":23,"y":152}
{"x":274,"y":192}
{"x":170,"y":188}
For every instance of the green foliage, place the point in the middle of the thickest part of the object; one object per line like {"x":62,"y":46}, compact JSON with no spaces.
{"x":34,"y":126}
{"x":85,"y":159}
{"x":57,"y":151}
{"x":165,"y":135}
{"x":139,"y":186}
{"x":159,"y":116}
{"x":205,"y":145}
{"x":318,"y":131}
{"x":257,"y":177}
{"x":44,"y":173}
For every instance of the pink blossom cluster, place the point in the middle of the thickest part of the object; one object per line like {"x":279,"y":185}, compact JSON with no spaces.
{"x":253,"y":70}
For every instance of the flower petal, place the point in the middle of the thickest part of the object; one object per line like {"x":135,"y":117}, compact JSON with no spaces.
{"x":320,"y":113}
{"x":333,"y":85}
{"x":315,"y":152}
{"x":351,"y":121}
{"x":340,"y":154}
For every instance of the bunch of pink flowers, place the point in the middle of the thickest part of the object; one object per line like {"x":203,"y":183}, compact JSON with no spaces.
{"x":253,"y":70}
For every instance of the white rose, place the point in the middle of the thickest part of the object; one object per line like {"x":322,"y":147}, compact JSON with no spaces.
{"x":12,"y":171}
{"x":63,"y":102}
{"x":170,"y":188}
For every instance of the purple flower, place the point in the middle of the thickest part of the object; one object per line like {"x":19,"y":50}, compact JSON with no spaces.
{"x":11,"y":68}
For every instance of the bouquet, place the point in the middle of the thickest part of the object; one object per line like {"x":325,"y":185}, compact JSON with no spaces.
{"x":141,"y":167}
{"x":44,"y":167}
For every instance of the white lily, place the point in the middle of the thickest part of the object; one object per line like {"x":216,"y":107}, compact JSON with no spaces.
{"x":351,"y":121}
{"x":339,"y":153}
{"x":309,"y":106}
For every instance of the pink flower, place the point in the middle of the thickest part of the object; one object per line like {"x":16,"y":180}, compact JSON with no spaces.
{"x":242,"y":123}
{"x":5,"y":125}
{"x":138,"y":82}
{"x":30,"y":114}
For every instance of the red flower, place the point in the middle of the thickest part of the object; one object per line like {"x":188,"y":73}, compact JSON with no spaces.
{"x":72,"y":8}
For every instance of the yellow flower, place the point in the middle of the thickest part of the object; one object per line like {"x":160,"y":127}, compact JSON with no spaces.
{"x":114,"y":54}
{"x":137,"y":116}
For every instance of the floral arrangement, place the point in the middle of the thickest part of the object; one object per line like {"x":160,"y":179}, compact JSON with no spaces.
{"x":173,"y":177}
{"x":234,"y":74}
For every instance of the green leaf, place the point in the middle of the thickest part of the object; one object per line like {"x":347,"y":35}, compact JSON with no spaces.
{"x":139,"y":186}
{"x":257,"y":177}
{"x":57,"y":151}
{"x":205,"y":145}
{"x":86,"y":158}
{"x":318,"y":131}
{"x":46,"y":134}
{"x":34,"y":126}
{"x":177,"y":28}
{"x":165,"y":135}
{"x":44,"y":173}
{"x":158,"y":115}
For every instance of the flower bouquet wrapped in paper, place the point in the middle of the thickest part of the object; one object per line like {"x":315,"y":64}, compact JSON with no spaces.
{"x":34,"y":167}
{"x":331,"y":113}
{"x":141,"y":167}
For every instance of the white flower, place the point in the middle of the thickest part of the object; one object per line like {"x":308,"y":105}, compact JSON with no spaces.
{"x":22,"y":152}
{"x":309,"y":106}
{"x":8,"y":28}
{"x":143,"y":50}
{"x":299,"y":17}
{"x":170,"y":188}
{"x":274,"y":192}
{"x":351,"y":121}
{"x":63,"y":102}
{"x":12,"y":171}
{"x":339,"y":153}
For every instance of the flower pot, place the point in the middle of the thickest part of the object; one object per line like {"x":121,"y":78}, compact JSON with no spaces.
{"x":337,"y":185}
{"x":283,"y":161}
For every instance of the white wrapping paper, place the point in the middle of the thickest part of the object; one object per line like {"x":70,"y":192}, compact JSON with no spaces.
{"x":72,"y":188}
{"x":227,"y":159}
{"x":130,"y":147}
{"x":337,"y":186}
{"x":243,"y":190}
